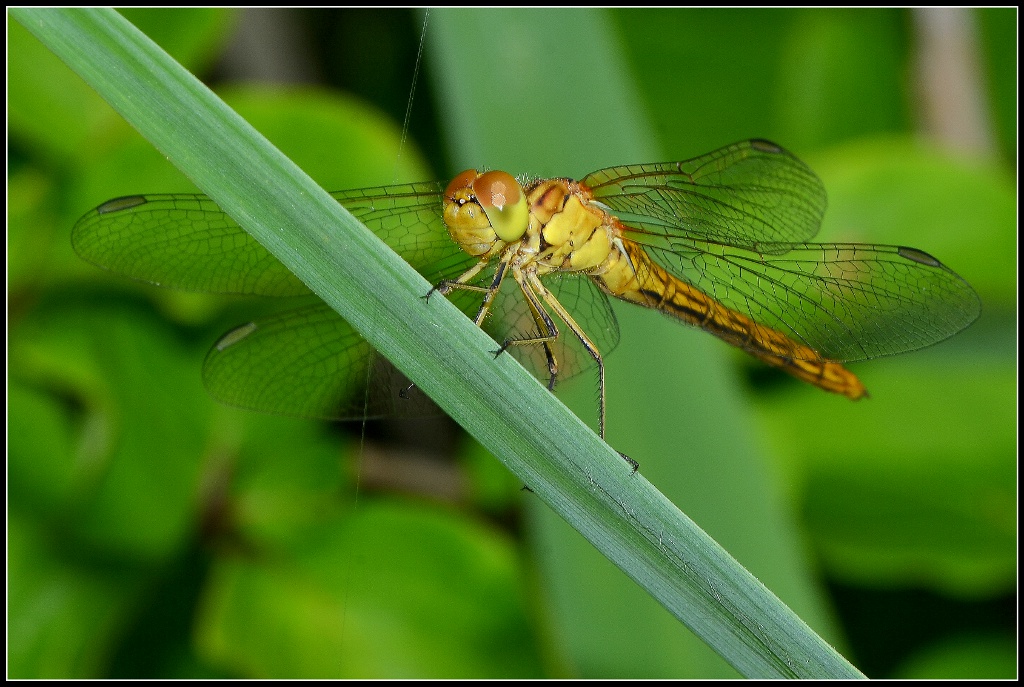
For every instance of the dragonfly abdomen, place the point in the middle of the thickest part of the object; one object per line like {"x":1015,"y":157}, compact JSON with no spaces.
{"x":636,"y":278}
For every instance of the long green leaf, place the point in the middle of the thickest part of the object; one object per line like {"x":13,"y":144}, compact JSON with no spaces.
{"x":508,"y":411}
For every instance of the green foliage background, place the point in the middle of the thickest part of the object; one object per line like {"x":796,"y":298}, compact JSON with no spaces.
{"x":153,"y":533}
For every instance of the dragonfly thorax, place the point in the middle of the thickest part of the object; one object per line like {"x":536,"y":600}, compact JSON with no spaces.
{"x":571,"y":233}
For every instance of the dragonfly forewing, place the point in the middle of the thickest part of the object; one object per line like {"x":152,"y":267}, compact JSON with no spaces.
{"x":751,"y":194}
{"x":181,"y":241}
{"x":185,"y":241}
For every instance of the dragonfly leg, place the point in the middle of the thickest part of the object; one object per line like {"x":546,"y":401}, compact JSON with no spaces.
{"x":489,"y":291}
{"x":548,"y":332}
{"x":449,"y":285}
{"x":544,"y":322}
{"x":538,"y":287}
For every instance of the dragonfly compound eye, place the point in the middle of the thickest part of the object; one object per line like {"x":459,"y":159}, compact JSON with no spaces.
{"x":466,"y":221}
{"x":502,"y":198}
{"x":463,"y":182}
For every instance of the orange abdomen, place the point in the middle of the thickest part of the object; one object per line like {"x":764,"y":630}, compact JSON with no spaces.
{"x":634,"y":277}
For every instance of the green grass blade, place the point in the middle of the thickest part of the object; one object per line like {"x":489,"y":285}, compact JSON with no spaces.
{"x":508,"y":411}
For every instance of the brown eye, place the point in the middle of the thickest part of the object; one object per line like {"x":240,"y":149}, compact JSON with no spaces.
{"x":497,"y":189}
{"x":463,"y":181}
{"x":502,"y":198}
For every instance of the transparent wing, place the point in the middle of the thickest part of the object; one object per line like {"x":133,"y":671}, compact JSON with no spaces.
{"x":751,"y":194}
{"x":308,"y":362}
{"x":186,"y":241}
{"x":846,"y":301}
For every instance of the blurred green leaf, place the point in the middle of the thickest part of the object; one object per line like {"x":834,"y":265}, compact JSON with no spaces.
{"x":32,"y":229}
{"x":41,"y":462}
{"x":492,"y":488}
{"x":63,"y":617}
{"x":800,"y":77}
{"x":59,"y":115}
{"x":897,"y":191}
{"x":56,"y":114}
{"x":914,"y":486}
{"x":706,"y":76}
{"x":388,"y":591}
{"x":140,"y":429}
{"x":964,"y":658}
{"x":834,"y":61}
{"x":287,"y":476}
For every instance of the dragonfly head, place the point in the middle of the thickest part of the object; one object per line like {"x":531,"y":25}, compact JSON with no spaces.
{"x":483,"y":208}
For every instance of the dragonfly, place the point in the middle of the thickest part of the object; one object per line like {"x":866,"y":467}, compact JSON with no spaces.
{"x":720,"y":242}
